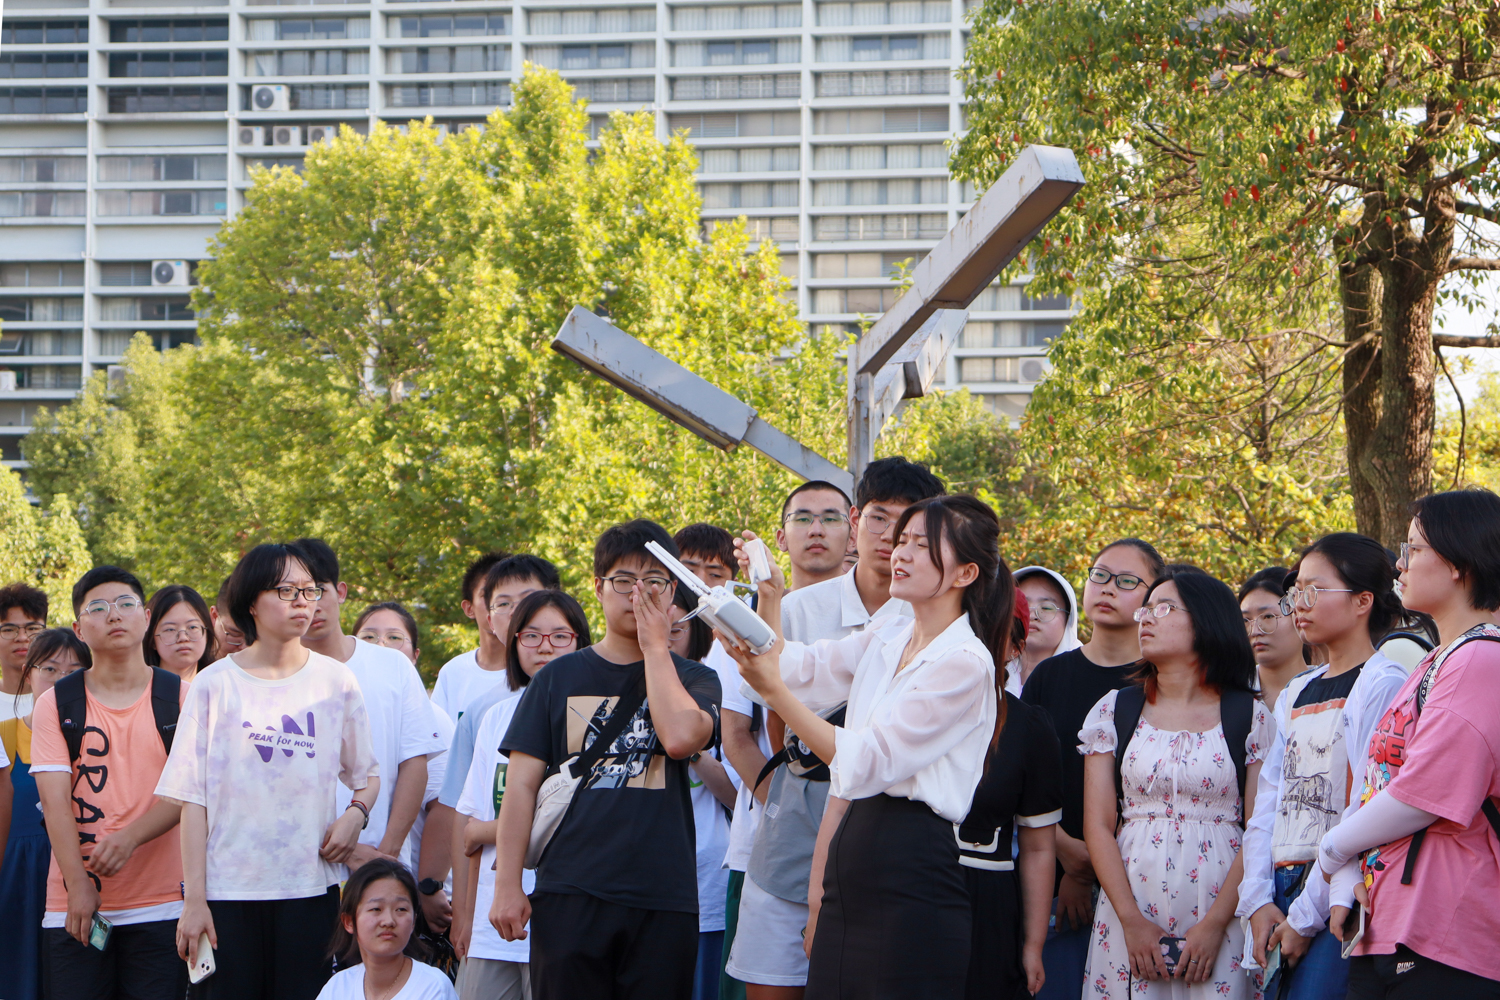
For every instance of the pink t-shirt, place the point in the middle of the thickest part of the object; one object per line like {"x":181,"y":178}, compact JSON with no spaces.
{"x":1446,"y":763}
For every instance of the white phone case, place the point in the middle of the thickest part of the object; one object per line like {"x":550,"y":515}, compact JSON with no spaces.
{"x":203,"y":966}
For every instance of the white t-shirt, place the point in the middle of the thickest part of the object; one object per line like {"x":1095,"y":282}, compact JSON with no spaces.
{"x":437,"y":769}
{"x":15,"y":706}
{"x":403,"y":724}
{"x":481,"y":797}
{"x":265,"y":758}
{"x":746,"y":819}
{"x":711,"y":827}
{"x":424,"y":983}
{"x":461,"y":680}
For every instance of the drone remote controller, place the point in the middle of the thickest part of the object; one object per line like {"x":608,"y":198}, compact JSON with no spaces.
{"x":720,"y":608}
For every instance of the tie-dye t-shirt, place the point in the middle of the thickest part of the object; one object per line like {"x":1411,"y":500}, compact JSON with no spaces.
{"x":264,"y":757}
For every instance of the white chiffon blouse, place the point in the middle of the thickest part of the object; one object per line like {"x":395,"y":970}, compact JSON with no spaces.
{"x":920,"y":734}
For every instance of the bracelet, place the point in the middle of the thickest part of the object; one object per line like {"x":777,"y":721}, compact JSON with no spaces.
{"x":356,"y":804}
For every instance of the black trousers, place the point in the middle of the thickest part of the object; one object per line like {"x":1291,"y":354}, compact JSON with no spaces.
{"x":271,"y":949}
{"x":895,"y":922}
{"x":140,"y":963}
{"x":583,"y":948}
{"x":1408,"y":976}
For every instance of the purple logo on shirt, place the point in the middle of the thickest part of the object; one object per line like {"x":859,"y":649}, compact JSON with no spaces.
{"x":288,"y":739}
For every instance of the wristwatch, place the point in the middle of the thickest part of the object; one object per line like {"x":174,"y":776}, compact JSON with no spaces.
{"x":429,"y":886}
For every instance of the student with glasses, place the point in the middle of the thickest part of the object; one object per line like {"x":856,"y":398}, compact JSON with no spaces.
{"x":1280,"y":653}
{"x":814,"y":532}
{"x":54,"y":654}
{"x":1165,"y":924}
{"x":1067,"y":686}
{"x":615,"y":911}
{"x":100,"y":744}
{"x":545,"y":625}
{"x":1342,"y":599}
{"x":180,"y":636}
{"x":265,"y":738}
{"x":23,"y":613}
{"x":389,"y":624}
{"x":1051,"y":625}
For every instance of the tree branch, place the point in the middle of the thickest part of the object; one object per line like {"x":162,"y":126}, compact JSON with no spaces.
{"x":1458,"y":340}
{"x":1472,"y":264}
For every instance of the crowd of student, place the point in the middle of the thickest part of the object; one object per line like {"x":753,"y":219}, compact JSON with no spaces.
{"x":928,"y":787}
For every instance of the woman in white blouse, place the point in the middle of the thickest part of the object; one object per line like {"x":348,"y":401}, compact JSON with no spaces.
{"x":922,"y":715}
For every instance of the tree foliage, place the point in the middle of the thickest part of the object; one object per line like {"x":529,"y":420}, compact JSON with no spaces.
{"x":43,"y":547}
{"x":1297,"y":152}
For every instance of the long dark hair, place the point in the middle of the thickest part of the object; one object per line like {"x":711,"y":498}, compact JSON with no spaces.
{"x":527,"y":609}
{"x":165,"y":600}
{"x":344,"y":947}
{"x":972,"y":528}
{"x":1364,"y":565}
{"x":46,"y":644}
{"x":1226,"y":661}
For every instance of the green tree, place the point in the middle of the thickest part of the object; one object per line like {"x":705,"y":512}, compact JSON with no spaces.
{"x":1280,"y":150}
{"x":43,"y":548}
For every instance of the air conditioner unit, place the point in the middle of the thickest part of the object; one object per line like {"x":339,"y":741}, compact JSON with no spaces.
{"x":286,"y":135}
{"x":321,"y":133}
{"x":1033,"y":370}
{"x":115,"y":375}
{"x":252,"y":135}
{"x":169,"y":272}
{"x":270,"y":97}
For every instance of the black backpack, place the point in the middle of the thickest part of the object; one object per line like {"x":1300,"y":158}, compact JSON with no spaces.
{"x":72,"y":707}
{"x":1236,"y":715}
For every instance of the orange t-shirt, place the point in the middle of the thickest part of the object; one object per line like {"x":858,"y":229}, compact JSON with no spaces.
{"x":114,"y":783}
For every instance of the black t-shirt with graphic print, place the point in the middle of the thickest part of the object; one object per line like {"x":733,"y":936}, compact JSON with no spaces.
{"x":628,"y":838}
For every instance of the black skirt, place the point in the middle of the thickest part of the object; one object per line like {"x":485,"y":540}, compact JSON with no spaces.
{"x":995,"y":970}
{"x":895,"y":920}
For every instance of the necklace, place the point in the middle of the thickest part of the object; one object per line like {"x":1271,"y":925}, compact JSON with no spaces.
{"x":396,"y":984}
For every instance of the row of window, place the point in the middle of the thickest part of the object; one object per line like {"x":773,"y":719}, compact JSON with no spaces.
{"x":40,"y":343}
{"x":763,"y":194}
{"x":44,"y":377}
{"x":43,"y":169}
{"x":591,"y":22}
{"x":156,"y":309}
{"x":190,"y":29}
{"x":1017,"y":370}
{"x":826,"y":194}
{"x":565,"y":57}
{"x":43,"y":274}
{"x":1010,"y":333}
{"x":161,"y":168}
{"x":635,"y":88}
{"x":70,"y":32}
{"x":42,"y":204}
{"x":308,"y":62}
{"x":306,"y":28}
{"x":74,"y":204}
{"x":744,"y":161}
{"x":729,"y":125}
{"x":41,"y":310}
{"x":739,"y":52}
{"x":43,"y":100}
{"x":166,"y":64}
{"x":43,"y":65}
{"x":749,"y":17}
{"x":736,"y":88}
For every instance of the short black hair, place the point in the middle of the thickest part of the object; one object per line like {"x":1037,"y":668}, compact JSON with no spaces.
{"x":165,"y":600}
{"x":808,"y":487}
{"x":709,"y":541}
{"x":1463,"y":526}
{"x":399,"y":610}
{"x":1272,"y":579}
{"x":30,"y":600}
{"x":1226,"y":662}
{"x":528,"y":608}
{"x":474,"y":575}
{"x":46,"y":644}
{"x":897,"y":479}
{"x":98,"y":577}
{"x":1153,"y":558}
{"x":520,"y":567}
{"x":221,"y":599}
{"x":322,"y":562}
{"x":628,"y":540}
{"x":259,"y":570}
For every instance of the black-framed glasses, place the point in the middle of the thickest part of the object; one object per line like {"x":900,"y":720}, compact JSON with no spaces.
{"x":12,"y":632}
{"x":1044,"y":611}
{"x":1307,"y":597}
{"x":124,"y":606}
{"x":191,"y":631}
{"x":1125,"y":581}
{"x":1155,"y":611}
{"x":1264,"y":623}
{"x":289,"y":593}
{"x":804,"y":519}
{"x":557,"y":640}
{"x":624,"y":583}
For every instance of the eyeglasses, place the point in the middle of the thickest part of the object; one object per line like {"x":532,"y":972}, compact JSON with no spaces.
{"x":557,"y":640}
{"x":124,"y":606}
{"x":10,"y":632}
{"x":1125,"y":581}
{"x":503,"y":607}
{"x":172,"y":633}
{"x":289,"y":593}
{"x":394,"y":638}
{"x":875,"y":523}
{"x":1263,"y":624}
{"x":1044,"y":612}
{"x":625,"y":584}
{"x":802,"y":519}
{"x":1407,"y":548}
{"x":1307,"y":597}
{"x":1155,"y":611}
{"x":677,"y":631}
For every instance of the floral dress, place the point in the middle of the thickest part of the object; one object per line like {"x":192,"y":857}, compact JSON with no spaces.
{"x":1181,"y":833}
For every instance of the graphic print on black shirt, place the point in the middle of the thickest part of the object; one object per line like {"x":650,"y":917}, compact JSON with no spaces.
{"x":632,"y":760}
{"x":1315,"y":770}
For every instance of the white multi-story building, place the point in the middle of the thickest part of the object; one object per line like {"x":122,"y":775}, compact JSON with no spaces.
{"x":127,"y":129}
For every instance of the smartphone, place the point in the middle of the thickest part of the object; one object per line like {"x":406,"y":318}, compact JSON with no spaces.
{"x":1171,"y":952}
{"x":202,"y":967}
{"x":1273,"y":964}
{"x":99,"y":932}
{"x":1357,"y":919}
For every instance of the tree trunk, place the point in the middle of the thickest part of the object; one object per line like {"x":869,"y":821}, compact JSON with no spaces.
{"x":1360,"y":294}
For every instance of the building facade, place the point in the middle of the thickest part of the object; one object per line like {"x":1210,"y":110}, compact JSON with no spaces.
{"x":127,"y":131}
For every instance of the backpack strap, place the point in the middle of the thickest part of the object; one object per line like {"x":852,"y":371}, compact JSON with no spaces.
{"x":1129,"y":704}
{"x":166,"y":692}
{"x":72,"y":711}
{"x":1236,"y":716}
